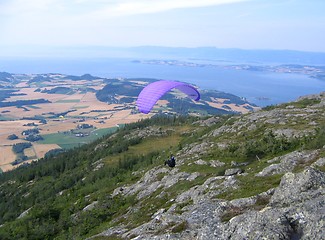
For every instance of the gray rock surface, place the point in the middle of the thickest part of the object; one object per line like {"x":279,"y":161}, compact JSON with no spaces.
{"x":287,"y":162}
{"x":24,"y":213}
{"x":90,"y":206}
{"x":296,"y":188}
{"x":319,"y":163}
{"x":200,"y":162}
{"x":208,"y":122}
{"x":149,"y":183}
{"x":296,"y":211}
{"x":216,"y":163}
{"x":233,"y":171}
{"x":270,"y":224}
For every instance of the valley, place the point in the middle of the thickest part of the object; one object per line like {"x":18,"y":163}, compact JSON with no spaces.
{"x":58,"y":111}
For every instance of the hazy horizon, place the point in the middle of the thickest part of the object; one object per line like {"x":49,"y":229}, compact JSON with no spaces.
{"x":40,"y":27}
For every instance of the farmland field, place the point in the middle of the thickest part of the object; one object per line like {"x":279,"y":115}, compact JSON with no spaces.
{"x":42,"y":149}
{"x":69,"y":101}
{"x":58,"y":121}
{"x":30,"y":153}
{"x":7,"y":155}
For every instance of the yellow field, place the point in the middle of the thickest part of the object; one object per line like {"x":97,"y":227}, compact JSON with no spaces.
{"x":42,"y":149}
{"x":12,"y":127}
{"x":7,"y":167}
{"x":6,"y":157}
{"x":37,"y":151}
{"x":31,"y":94}
{"x":219,"y":102}
{"x":30,"y":153}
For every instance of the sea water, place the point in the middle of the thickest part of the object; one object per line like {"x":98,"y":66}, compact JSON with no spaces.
{"x":259,"y":87}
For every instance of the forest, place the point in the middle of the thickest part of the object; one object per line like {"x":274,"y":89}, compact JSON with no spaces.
{"x":20,"y":103}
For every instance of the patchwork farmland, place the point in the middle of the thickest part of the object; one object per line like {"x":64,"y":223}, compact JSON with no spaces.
{"x":66,"y":120}
{"x":56,"y":111}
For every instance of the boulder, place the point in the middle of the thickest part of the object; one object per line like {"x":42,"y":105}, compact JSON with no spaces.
{"x":90,"y":206}
{"x":270,"y":224}
{"x":296,"y":188}
{"x":233,"y":171}
{"x":216,"y":163}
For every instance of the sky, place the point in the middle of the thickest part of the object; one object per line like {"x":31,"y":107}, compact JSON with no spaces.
{"x":39,"y":25}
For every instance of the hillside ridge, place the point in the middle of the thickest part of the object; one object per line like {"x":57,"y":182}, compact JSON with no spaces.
{"x":254,"y":175}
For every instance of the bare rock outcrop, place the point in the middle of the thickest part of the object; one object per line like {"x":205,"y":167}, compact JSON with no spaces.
{"x":150,"y":182}
{"x":208,"y":122}
{"x":233,"y":171}
{"x":295,"y":188}
{"x":287,"y":162}
{"x":295,"y":211}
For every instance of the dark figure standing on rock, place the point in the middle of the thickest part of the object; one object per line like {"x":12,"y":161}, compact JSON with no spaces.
{"x":171,"y":162}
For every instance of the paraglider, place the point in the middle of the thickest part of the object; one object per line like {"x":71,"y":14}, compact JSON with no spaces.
{"x":154,"y":91}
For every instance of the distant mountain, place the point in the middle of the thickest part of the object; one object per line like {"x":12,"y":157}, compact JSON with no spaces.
{"x":82,"y":77}
{"x":265,"y":56}
{"x":39,"y":78}
{"x":6,"y":77}
{"x":234,"y":55}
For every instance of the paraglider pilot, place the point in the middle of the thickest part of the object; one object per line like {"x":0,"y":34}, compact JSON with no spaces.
{"x":154,"y":91}
{"x":171,"y":161}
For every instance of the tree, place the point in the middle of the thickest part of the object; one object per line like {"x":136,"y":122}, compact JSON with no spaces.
{"x":12,"y":137}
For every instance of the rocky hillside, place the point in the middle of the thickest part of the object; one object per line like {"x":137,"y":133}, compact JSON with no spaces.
{"x":253,"y":176}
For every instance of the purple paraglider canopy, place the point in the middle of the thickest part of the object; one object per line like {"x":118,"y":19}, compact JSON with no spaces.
{"x":151,"y":93}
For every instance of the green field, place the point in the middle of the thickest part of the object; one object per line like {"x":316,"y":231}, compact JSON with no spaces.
{"x":79,"y":107}
{"x":69,"y":140}
{"x":68,"y":101}
{"x":3,"y":118}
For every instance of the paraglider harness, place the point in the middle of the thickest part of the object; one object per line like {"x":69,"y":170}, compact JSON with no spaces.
{"x":171,"y":162}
